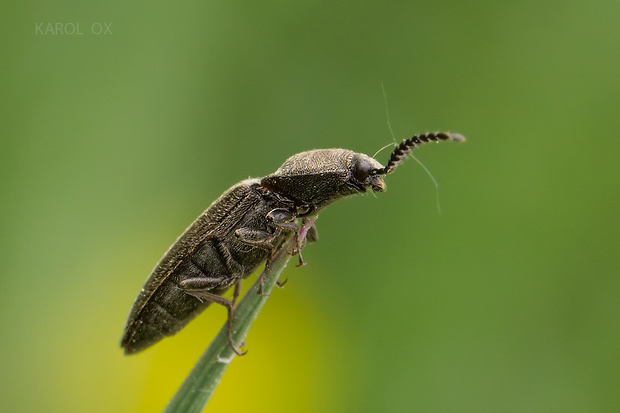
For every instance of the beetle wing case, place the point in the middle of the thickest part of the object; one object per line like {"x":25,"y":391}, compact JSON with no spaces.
{"x":162,"y":308}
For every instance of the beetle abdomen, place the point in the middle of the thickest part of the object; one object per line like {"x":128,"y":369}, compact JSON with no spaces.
{"x":167,"y":311}
{"x":163,"y":307}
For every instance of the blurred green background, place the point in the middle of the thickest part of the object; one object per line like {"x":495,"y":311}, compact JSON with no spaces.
{"x":112,"y":143}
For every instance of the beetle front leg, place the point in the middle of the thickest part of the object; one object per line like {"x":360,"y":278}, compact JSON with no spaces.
{"x":312,"y":235}
{"x":285,"y":219}
{"x":307,"y":231}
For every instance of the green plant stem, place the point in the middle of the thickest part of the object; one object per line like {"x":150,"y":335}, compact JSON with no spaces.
{"x":204,"y":378}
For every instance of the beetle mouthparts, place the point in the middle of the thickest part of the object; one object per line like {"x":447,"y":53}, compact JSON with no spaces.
{"x":403,"y":150}
{"x":378,"y":187}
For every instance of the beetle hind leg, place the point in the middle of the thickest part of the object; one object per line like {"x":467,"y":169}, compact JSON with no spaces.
{"x":200,"y":288}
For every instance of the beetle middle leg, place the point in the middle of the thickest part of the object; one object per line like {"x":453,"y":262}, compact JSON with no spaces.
{"x":260,"y":239}
{"x":256,"y":238}
{"x":200,"y":288}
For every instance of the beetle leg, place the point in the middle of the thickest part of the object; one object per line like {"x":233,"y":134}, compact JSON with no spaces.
{"x":236,"y":292}
{"x":260,"y":239}
{"x":305,"y":232}
{"x":308,"y":230}
{"x":312,"y":235}
{"x":200,"y":284}
{"x":201,"y":294}
{"x":286,"y":220}
{"x":282,"y":218}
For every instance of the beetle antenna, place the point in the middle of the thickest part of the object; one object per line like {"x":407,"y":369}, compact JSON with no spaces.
{"x":403,"y":150}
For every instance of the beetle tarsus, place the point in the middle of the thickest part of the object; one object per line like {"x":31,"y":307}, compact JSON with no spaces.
{"x":301,"y":262}
{"x":230,"y":331}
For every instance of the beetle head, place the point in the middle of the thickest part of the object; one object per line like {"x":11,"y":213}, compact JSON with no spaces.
{"x":319,"y":177}
{"x":366,"y":173}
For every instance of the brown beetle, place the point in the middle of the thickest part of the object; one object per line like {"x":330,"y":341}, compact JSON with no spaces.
{"x":240,"y":230}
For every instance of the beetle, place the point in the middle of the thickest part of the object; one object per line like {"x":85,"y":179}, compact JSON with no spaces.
{"x":243,"y":227}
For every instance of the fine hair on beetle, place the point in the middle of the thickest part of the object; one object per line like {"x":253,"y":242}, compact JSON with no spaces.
{"x":242,"y":229}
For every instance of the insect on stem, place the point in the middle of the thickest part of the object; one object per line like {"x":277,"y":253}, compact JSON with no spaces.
{"x":244,"y":228}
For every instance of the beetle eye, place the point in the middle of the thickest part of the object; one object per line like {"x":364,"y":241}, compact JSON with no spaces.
{"x":361,"y":170}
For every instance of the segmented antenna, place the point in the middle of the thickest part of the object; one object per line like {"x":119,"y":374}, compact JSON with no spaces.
{"x":404,"y":149}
